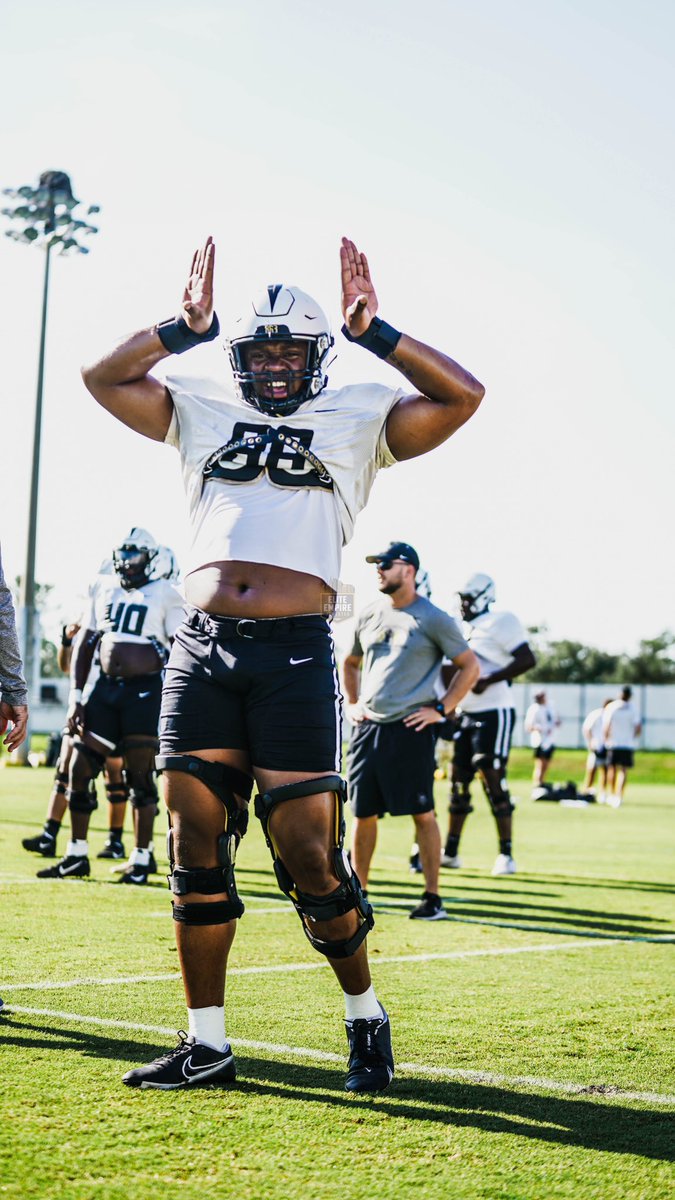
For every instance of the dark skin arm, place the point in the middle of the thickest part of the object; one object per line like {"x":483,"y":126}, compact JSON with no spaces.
{"x":83,"y":653}
{"x":523,"y":660}
{"x":446,"y":395}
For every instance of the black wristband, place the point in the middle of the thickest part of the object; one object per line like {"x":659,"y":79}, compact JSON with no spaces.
{"x":177,"y":337}
{"x":381,"y":339}
{"x":65,"y":641}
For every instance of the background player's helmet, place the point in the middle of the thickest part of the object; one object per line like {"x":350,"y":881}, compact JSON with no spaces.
{"x":476,"y":596}
{"x":281,"y":314}
{"x":165,"y":565}
{"x":134,"y":556}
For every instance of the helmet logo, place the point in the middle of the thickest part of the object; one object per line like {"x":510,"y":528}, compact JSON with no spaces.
{"x":271,"y":329}
{"x":273,"y":291}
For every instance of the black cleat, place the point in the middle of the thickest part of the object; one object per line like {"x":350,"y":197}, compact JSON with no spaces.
{"x":430,"y":909}
{"x":415,"y":863}
{"x":152,"y":865}
{"x":114,"y":848}
{"x":188,"y":1064}
{"x":135,"y":873}
{"x":44,"y":844}
{"x":71,"y":867}
{"x":371,"y":1062}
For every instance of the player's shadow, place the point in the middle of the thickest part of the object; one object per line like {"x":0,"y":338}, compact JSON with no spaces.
{"x":582,"y":1121}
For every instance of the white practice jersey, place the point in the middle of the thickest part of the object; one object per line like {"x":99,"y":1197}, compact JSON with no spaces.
{"x":592,"y":729}
{"x":493,"y":637}
{"x":620,"y":721}
{"x":541,"y":722}
{"x":268,"y":503}
{"x":148,"y":613}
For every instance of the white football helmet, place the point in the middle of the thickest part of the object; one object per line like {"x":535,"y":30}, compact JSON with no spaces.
{"x":281,"y":313}
{"x":476,"y":595}
{"x":134,"y":556}
{"x":165,"y":565}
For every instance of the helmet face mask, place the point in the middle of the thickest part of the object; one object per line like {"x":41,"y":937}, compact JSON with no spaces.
{"x":476,"y":596}
{"x":281,"y":317}
{"x":133,"y":558}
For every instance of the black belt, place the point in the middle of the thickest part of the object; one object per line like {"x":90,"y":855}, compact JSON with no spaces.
{"x":260,"y":628}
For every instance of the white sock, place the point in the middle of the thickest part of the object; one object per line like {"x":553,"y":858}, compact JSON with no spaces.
{"x":140,"y":857}
{"x":77,"y":849}
{"x":207,"y":1025}
{"x":365,"y":1006}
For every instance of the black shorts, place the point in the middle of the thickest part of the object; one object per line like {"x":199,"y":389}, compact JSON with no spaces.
{"x":619,"y":756}
{"x":599,"y":757}
{"x":487,"y":736}
{"x":390,"y":769}
{"x":270,"y":689}
{"x":117,"y":708}
{"x":547,"y":754}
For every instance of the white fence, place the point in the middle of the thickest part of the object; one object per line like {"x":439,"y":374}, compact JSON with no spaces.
{"x":655,"y":704}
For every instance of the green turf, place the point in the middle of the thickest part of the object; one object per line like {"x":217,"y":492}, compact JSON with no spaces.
{"x":581,"y":1008}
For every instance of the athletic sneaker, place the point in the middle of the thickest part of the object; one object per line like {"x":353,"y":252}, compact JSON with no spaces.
{"x":136,"y":873}
{"x":613,"y":801}
{"x":114,"y":848}
{"x":188,"y":1064}
{"x":430,"y":909}
{"x":451,"y":860}
{"x":415,"y":861}
{"x":504,"y":865}
{"x":371,"y":1062}
{"x":73,"y":866}
{"x":44,"y":844}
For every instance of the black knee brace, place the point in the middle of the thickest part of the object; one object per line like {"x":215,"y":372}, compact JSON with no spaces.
{"x":82,"y":797}
{"x":460,"y":799}
{"x":116,"y":792}
{"x":139,"y":771}
{"x":61,"y":782}
{"x":500,"y":802}
{"x":347,"y":896}
{"x":223,"y":781}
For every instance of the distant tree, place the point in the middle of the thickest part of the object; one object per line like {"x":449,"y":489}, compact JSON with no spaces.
{"x":571,"y":662}
{"x":653,"y":663}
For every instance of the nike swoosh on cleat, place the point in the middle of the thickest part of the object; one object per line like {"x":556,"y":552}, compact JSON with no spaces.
{"x":295,"y":661}
{"x":191,"y":1072}
{"x":68,"y":870}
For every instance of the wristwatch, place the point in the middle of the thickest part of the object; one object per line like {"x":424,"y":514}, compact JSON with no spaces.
{"x":440,"y":709}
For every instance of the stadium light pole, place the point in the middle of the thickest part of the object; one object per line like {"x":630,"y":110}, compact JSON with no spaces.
{"x":43,"y":216}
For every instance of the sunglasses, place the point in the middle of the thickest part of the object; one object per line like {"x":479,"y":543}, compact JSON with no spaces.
{"x":385,"y":564}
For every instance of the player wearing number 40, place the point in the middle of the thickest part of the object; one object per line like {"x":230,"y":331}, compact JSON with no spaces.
{"x":114,"y":703}
{"x":276,"y":475}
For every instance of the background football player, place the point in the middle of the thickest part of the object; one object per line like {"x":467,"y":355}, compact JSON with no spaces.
{"x":500,"y":643}
{"x":131,"y":624}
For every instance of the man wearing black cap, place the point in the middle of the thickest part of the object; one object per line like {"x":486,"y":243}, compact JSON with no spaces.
{"x":399,"y":644}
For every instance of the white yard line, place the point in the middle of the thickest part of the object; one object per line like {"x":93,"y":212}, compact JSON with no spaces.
{"x":606,"y":1091}
{"x":283,"y":968}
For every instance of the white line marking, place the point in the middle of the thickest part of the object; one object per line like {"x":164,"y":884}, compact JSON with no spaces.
{"x":283,"y":968}
{"x":608,"y":1091}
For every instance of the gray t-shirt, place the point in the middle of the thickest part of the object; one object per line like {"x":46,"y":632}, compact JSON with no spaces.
{"x":402,"y":651}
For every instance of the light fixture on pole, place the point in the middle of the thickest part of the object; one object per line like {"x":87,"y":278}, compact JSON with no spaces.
{"x":44,"y":216}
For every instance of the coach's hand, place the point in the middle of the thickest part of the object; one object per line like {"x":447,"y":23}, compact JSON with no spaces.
{"x":197,"y":307}
{"x":424,"y":716}
{"x":355,"y":714}
{"x":359,"y":301}
{"x":17,"y":715}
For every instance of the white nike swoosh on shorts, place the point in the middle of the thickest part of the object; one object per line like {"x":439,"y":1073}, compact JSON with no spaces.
{"x":143,"y":695}
{"x":296,"y":661}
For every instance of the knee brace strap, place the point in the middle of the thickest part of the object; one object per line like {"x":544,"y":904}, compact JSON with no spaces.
{"x":116,"y":792}
{"x":460,"y":803}
{"x":501,"y":805}
{"x":347,"y":896}
{"x":222,"y":779}
{"x":95,"y":760}
{"x":218,"y":913}
{"x":82,"y":802}
{"x":207,"y":881}
{"x":141,"y":797}
{"x":61,"y":783}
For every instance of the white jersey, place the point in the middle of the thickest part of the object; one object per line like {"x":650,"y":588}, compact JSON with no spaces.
{"x":620,"y":722}
{"x":151,"y":612}
{"x":268,"y":502}
{"x":493,"y":636}
{"x":540,"y":722}
{"x":592,"y":729}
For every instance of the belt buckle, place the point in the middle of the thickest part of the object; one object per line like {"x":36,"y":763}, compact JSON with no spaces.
{"x":244,"y":621}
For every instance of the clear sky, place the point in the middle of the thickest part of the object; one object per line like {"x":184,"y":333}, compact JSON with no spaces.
{"x":507,"y":167}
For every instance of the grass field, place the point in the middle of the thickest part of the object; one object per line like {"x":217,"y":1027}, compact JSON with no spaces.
{"x":531,"y":1029}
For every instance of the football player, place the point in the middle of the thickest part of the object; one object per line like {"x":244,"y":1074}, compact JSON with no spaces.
{"x":275,"y":478}
{"x":131,"y":624}
{"x":500,"y":643}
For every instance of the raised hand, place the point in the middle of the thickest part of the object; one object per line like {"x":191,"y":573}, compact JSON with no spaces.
{"x":197,"y":305}
{"x":359,"y":301}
